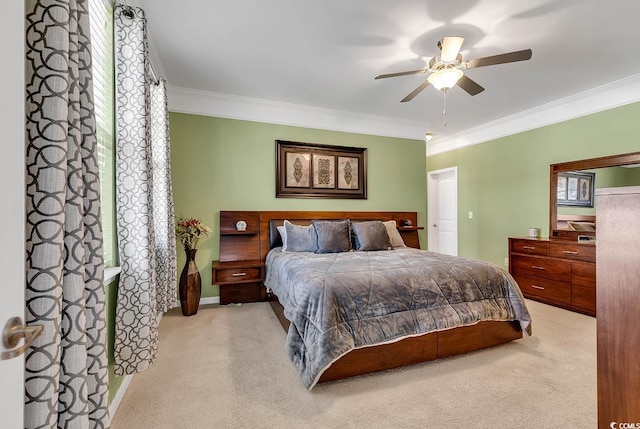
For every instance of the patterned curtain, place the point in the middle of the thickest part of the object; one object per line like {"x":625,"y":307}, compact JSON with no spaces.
{"x":146,"y":236}
{"x":163,"y":214}
{"x":66,"y":367}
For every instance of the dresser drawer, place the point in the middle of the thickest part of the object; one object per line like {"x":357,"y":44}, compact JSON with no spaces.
{"x":237,"y":275}
{"x":532,"y":247}
{"x":552,"y":269}
{"x":578,"y":252}
{"x":584,"y":298}
{"x":583,"y":274}
{"x":549,"y":290}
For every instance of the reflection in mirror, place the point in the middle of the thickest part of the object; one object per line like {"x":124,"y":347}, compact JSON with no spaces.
{"x":576,"y":188}
{"x":567,"y":217}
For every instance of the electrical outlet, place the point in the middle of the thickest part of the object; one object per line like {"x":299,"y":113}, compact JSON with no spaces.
{"x":506,"y":262}
{"x":470,"y":215}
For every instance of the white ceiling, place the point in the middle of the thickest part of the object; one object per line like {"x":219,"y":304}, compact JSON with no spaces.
{"x":325,"y":53}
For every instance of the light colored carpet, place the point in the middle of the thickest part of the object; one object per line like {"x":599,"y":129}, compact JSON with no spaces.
{"x":226,"y":367}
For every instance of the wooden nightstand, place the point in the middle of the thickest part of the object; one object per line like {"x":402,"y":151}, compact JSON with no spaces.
{"x":239,"y":271}
{"x":239,"y":281}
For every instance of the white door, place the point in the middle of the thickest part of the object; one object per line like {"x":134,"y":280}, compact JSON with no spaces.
{"x":442,"y":204}
{"x":12,"y":164}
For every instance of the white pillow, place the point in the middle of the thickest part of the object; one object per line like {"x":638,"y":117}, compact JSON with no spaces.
{"x":394,"y":234}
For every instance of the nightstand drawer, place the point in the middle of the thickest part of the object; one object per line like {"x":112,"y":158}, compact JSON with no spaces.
{"x":237,"y":293}
{"x":546,"y":289}
{"x":237,"y":275}
{"x":552,"y":269}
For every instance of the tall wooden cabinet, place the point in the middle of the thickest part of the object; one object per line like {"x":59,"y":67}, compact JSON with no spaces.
{"x":618,"y":305}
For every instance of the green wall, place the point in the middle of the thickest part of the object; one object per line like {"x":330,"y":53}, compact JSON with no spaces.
{"x":225,"y":164}
{"x":110,"y":304}
{"x":505,"y":182}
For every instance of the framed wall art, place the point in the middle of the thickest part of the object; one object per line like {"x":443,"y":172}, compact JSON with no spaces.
{"x":309,"y":170}
{"x":576,"y":188}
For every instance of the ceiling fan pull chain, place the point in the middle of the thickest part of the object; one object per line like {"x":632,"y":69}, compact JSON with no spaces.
{"x":444,"y":109}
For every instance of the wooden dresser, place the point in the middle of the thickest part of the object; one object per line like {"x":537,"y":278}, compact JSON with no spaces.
{"x":556,"y":272}
{"x":618,"y":324}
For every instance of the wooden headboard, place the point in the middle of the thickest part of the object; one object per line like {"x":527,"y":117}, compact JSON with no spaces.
{"x":269,"y":220}
{"x":243,"y":252}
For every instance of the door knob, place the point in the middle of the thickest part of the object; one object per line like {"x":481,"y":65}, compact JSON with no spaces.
{"x":13,"y":332}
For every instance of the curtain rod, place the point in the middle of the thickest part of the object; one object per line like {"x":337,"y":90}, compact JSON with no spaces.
{"x":153,"y":74}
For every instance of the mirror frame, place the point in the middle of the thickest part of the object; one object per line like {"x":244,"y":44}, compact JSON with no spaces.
{"x":583,"y":164}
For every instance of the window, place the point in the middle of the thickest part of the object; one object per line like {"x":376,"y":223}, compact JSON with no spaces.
{"x":101,"y":21}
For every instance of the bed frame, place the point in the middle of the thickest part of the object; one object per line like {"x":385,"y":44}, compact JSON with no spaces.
{"x":408,"y":351}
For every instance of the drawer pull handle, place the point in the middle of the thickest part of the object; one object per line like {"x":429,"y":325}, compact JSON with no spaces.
{"x":529,"y":247}
{"x":239,"y":274}
{"x":535,"y":267}
{"x":537,"y":287}
{"x":571,"y":252}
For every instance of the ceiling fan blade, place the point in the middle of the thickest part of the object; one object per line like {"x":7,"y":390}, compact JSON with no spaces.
{"x":450,"y":47}
{"x":510,"y":57}
{"x":405,"y":73}
{"x":415,"y":92}
{"x":469,"y":85}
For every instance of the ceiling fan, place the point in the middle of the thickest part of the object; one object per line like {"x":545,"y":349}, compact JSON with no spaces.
{"x":447,"y":68}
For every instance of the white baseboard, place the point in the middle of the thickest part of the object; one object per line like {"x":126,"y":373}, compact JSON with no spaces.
{"x":115,"y":403}
{"x":210,"y":300}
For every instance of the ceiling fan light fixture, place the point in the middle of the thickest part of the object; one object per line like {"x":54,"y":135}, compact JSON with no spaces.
{"x":444,"y":79}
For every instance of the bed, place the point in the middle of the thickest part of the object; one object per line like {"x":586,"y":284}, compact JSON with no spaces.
{"x":353,"y":312}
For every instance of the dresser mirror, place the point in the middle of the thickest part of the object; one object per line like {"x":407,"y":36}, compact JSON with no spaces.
{"x":568,"y":221}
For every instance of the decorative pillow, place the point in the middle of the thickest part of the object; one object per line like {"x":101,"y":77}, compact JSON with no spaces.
{"x":333,"y":236}
{"x":394,"y":235}
{"x":298,"y":238}
{"x":371,"y":235}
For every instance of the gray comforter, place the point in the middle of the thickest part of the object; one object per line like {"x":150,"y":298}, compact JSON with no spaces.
{"x":337,"y":302}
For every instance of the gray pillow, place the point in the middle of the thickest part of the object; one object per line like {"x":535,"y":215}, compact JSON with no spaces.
{"x":333,"y":236}
{"x":371,"y":235}
{"x":298,"y":238}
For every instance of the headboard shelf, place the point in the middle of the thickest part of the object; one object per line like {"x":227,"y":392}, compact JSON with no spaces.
{"x":246,"y":232}
{"x":238,"y":245}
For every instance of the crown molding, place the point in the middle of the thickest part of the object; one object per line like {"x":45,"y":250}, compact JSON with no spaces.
{"x":608,"y":96}
{"x":184,"y":100}
{"x":604,"y":97}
